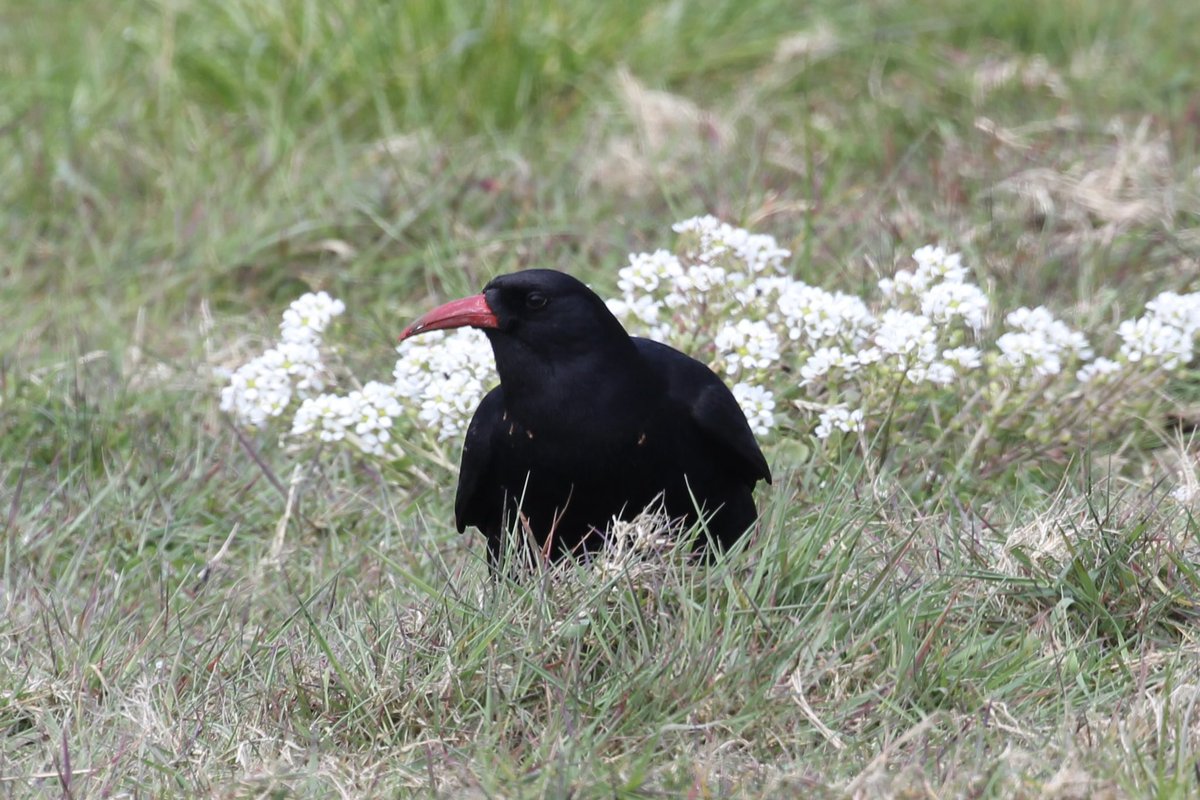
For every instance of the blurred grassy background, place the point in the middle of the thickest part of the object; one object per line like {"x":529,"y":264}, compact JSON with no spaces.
{"x":157,"y":153}
{"x":173,"y":172}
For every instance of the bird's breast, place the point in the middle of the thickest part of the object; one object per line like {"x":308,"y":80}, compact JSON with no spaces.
{"x":613,"y":450}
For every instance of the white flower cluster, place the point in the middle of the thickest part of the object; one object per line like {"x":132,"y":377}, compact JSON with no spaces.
{"x":758,"y":404}
{"x":774,"y":337}
{"x":721,"y":266}
{"x":445,"y":375}
{"x":1163,"y":338}
{"x":812,"y":315}
{"x":746,"y":345}
{"x":963,"y":359}
{"x":306,"y":319}
{"x":647,"y":272}
{"x":825,"y":360}
{"x":947,"y":301}
{"x":1151,"y":338}
{"x":264,"y":388}
{"x":1097,"y":371}
{"x":908,"y":337}
{"x":442,"y":377}
{"x":364,"y":416}
{"x":839,"y":418}
{"x":758,"y":252}
{"x":1040,"y":342}
{"x":1166,"y":334}
{"x":727,"y":288}
{"x":1177,"y":310}
{"x":932,"y":305}
{"x":934,"y":267}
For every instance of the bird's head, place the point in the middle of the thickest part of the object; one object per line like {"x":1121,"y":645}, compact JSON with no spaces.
{"x":542,"y":313}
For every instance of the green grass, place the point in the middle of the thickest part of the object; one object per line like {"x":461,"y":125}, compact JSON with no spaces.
{"x":173,"y":173}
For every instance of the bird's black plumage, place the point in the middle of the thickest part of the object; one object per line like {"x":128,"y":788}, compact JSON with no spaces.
{"x":589,"y":423}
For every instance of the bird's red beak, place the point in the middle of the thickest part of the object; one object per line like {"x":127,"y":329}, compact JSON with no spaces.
{"x":471,"y":311}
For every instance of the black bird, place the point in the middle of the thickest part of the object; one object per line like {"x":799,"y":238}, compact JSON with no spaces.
{"x":589,"y":423}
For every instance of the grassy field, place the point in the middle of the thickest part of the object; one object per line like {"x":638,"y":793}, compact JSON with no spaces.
{"x":179,"y":617}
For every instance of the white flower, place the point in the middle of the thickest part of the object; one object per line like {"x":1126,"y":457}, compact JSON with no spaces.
{"x":1041,"y":322}
{"x":904,"y":283}
{"x":815,"y":314}
{"x":1097,"y":370}
{"x":901,"y":333}
{"x":757,"y":253}
{"x":1020,"y":350}
{"x":838,"y":418}
{"x":940,"y":373}
{"x":934,"y":264}
{"x":445,"y":376}
{"x":328,"y":416}
{"x":647,"y":272}
{"x":963,"y":358}
{"x":378,"y":407}
{"x":1040,"y":342}
{"x":758,"y":404}
{"x":364,"y":417}
{"x":706,"y":227}
{"x":695,"y":284}
{"x":1177,"y":310}
{"x":937,"y":373}
{"x":1150,"y":338}
{"x":1030,"y":319}
{"x":747,"y":344}
{"x":258,"y":390}
{"x":804,"y":310}
{"x":447,"y":404}
{"x":946,"y":301}
{"x":868,"y":355}
{"x":760,"y":252}
{"x":301,"y":360}
{"x":759,"y":294}
{"x":638,"y":312}
{"x":823,"y":360}
{"x":308,"y":316}
{"x":853,"y":318}
{"x":264,"y":387}
{"x":435,"y":355}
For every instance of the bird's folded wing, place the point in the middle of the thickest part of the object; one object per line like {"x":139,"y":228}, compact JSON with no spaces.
{"x":711,"y":405}
{"x":469,"y":507}
{"x":716,"y":412}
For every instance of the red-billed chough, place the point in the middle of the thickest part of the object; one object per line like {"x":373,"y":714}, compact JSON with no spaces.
{"x":589,"y":423}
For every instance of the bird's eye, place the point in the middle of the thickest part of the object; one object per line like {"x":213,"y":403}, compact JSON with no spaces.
{"x":535,"y":300}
